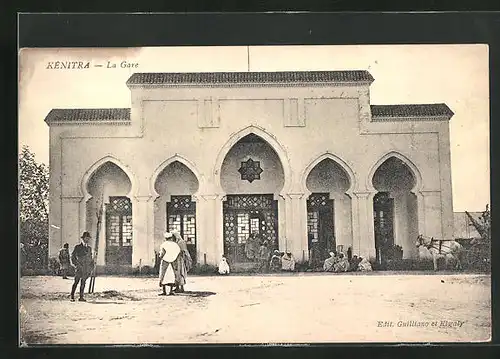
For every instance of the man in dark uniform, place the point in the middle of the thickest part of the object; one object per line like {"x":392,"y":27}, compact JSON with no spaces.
{"x":82,"y":260}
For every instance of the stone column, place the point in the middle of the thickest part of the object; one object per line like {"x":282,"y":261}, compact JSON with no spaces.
{"x":283,"y":242}
{"x":296,"y":228}
{"x":363,"y":228}
{"x":217,"y":252}
{"x":83,"y":214}
{"x":205,"y":219}
{"x":143,"y":231}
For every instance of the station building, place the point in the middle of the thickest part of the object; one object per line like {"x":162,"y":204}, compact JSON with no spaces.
{"x":302,"y":160}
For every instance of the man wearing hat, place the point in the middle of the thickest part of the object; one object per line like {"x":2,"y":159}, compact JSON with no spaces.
{"x":82,"y":260}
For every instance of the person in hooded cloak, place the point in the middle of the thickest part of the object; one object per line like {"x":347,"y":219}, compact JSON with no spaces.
{"x":184,"y":263}
{"x":329,"y":264}
{"x":223,"y":266}
{"x":288,"y":262}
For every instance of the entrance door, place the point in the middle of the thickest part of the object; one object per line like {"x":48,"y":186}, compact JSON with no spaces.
{"x":320,"y":228}
{"x":249,"y":220}
{"x":118,"y":231}
{"x":181,"y":217}
{"x":383,"y":213}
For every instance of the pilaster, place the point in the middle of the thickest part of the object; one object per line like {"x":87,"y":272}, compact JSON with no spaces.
{"x":70,"y":226}
{"x":143,"y":230}
{"x":430,"y":207}
{"x":208,"y":231}
{"x":363,"y":227}
{"x":296,"y":229}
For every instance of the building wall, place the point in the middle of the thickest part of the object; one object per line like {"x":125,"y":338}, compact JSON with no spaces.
{"x":199,"y":126}
{"x":271,"y":179}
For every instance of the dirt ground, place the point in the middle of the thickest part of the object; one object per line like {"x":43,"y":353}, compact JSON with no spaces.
{"x":300,"y":308}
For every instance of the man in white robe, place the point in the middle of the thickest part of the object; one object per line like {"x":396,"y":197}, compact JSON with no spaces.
{"x":169,"y":252}
{"x":288,"y":262}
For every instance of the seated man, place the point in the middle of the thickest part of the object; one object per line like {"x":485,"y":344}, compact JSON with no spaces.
{"x":288,"y":262}
{"x":342,"y":265}
{"x":353,"y":264}
{"x":329,"y":264}
{"x":275,"y":264}
{"x":364,"y":265}
{"x":223,"y":266}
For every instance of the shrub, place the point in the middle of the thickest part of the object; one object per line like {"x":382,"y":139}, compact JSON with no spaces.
{"x":54,"y":267}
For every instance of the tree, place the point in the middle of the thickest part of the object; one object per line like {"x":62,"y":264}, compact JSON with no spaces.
{"x":33,"y":205}
{"x":483,"y":224}
{"x":486,"y":223}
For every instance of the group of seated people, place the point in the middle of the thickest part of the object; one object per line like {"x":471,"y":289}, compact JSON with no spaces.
{"x":282,"y":261}
{"x":338,"y":263}
{"x":285,"y":261}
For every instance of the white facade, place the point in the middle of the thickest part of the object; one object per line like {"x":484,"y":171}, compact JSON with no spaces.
{"x":311,"y":132}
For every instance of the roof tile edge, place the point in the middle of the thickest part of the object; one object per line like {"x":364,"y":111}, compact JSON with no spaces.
{"x":71,"y":115}
{"x":250,"y":78}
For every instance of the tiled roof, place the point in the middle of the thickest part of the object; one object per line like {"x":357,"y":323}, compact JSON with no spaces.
{"x":90,"y":115}
{"x":250,"y":77}
{"x":423,"y":110}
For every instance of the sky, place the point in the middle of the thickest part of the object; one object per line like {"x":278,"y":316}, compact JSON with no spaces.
{"x":457,"y":75}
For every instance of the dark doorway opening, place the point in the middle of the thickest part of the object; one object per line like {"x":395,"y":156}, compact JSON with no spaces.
{"x":383,"y":216}
{"x":320,"y":228}
{"x":118,"y":231}
{"x":181,"y":217}
{"x":249,"y":220}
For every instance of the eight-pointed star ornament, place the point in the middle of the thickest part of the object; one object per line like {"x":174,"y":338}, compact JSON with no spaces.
{"x":250,"y":170}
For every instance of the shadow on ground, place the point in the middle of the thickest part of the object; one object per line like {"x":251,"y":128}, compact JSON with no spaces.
{"x":196,"y":294}
{"x":94,"y":297}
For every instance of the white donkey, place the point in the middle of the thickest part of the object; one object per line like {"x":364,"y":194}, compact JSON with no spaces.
{"x":447,"y":249}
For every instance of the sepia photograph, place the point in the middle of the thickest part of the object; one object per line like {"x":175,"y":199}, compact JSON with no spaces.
{"x":254,"y":194}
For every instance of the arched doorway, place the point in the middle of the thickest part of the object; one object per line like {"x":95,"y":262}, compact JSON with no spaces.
{"x":175,"y":208}
{"x":109,"y":187}
{"x":252,"y":177}
{"x":329,"y":215}
{"x":395,"y":210}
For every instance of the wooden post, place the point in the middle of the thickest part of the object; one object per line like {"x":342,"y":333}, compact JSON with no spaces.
{"x":99,"y":213}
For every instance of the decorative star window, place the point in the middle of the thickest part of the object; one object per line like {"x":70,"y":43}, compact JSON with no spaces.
{"x":250,"y":170}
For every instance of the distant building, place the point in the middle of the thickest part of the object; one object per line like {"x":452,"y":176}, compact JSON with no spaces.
{"x":300,"y":159}
{"x":464,"y":229}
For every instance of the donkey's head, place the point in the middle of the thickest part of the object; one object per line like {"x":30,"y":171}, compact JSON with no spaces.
{"x":423,"y":241}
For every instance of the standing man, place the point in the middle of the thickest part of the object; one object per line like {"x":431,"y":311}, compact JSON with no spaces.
{"x":169,"y":252}
{"x":64,"y":260}
{"x":82,"y":260}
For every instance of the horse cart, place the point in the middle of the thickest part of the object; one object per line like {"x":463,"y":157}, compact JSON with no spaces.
{"x":469,"y":254}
